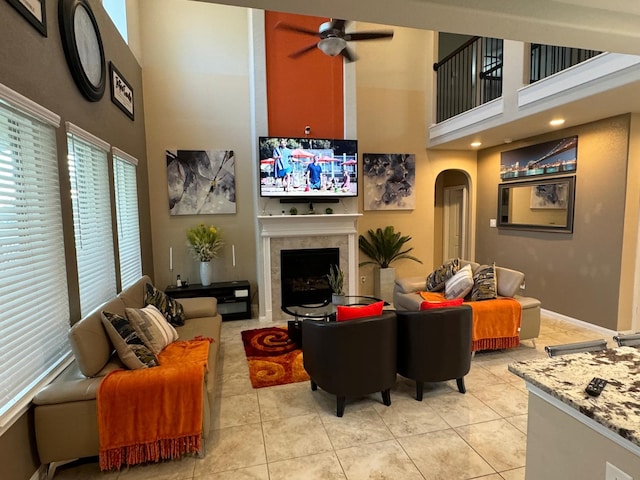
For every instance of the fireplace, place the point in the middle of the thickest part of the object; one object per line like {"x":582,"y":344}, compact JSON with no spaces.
{"x":303,"y":275}
{"x":303,"y":232}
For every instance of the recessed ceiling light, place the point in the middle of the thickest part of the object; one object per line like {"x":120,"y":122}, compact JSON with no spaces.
{"x":476,"y":144}
{"x":556,"y":122}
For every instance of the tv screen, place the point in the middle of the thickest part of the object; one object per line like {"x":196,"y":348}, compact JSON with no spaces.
{"x":308,"y":167}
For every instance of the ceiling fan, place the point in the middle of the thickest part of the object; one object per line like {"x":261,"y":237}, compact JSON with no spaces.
{"x":334,"y":38}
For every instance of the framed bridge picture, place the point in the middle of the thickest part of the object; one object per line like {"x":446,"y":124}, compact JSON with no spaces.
{"x":555,"y":157}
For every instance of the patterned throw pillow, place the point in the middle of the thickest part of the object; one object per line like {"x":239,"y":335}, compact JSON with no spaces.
{"x":484,"y":283}
{"x":460,"y":284}
{"x":437,"y":278}
{"x":152,"y":328}
{"x":170,"y":308}
{"x":129,"y":347}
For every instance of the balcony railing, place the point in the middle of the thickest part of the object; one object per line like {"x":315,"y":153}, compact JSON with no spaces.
{"x":469,"y":76}
{"x":549,"y":59}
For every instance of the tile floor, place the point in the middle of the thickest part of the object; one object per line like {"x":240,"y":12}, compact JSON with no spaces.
{"x":290,"y":432}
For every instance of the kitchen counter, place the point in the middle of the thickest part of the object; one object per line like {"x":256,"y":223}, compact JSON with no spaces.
{"x":573,"y":435}
{"x":565,"y":378}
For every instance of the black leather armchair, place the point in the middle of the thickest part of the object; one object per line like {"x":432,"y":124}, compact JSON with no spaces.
{"x":435,"y":345}
{"x":351,"y":358}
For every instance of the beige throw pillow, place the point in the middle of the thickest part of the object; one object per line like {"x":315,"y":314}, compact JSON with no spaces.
{"x":152,"y":328}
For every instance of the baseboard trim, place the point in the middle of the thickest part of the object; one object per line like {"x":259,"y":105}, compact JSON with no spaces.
{"x":579,"y":323}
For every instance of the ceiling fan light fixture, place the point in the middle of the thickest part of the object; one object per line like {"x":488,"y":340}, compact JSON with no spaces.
{"x":332,"y":46}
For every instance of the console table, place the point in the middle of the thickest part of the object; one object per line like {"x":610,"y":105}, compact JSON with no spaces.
{"x":234,"y":298}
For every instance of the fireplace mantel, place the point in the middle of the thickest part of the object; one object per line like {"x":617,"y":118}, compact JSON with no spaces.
{"x":309,"y":230}
{"x":300,"y":225}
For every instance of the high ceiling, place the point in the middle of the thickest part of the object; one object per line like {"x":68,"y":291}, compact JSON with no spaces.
{"x":611,"y":25}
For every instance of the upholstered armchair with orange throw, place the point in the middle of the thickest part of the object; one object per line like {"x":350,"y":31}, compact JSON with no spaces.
{"x":435,"y":345}
{"x":351,"y":358}
{"x":492,"y":328}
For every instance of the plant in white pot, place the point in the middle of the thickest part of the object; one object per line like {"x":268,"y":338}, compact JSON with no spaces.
{"x":383,"y":247}
{"x":204,"y":242}
{"x":336,"y":282}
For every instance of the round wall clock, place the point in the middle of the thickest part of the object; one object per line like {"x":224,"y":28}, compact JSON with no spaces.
{"x":83,"y":47}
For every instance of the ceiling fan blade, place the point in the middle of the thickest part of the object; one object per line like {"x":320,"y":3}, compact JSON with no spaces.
{"x":302,"y":51}
{"x":354,"y":37}
{"x":295,"y":29}
{"x":337,"y":24}
{"x":348,"y":55}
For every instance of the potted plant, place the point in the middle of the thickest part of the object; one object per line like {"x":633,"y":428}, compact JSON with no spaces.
{"x":383,"y":247}
{"x":336,"y":282}
{"x":204,"y":242}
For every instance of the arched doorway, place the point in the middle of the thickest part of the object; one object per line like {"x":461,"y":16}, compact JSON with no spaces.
{"x":451,"y":220}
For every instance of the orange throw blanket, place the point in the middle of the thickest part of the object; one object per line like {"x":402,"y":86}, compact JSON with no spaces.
{"x":153,"y":413}
{"x":496,"y":322}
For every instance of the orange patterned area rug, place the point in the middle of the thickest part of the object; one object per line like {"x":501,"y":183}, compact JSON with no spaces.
{"x":273,"y":357}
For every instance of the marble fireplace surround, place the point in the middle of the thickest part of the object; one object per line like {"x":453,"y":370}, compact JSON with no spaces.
{"x":289,"y":232}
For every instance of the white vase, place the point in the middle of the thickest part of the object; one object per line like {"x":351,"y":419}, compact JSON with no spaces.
{"x":383,"y":282}
{"x":337,"y":299}
{"x":205,"y":273}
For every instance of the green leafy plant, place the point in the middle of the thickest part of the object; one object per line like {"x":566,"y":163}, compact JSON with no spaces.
{"x":384,"y":247}
{"x":336,"y":279}
{"x":204,"y":241}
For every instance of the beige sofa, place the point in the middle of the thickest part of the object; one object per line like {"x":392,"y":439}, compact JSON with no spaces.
{"x":406,"y":297}
{"x":65,"y":411}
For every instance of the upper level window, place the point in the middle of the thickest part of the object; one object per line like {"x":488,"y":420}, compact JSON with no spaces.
{"x":117,"y":10}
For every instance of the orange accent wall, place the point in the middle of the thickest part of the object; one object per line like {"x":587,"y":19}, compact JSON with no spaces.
{"x":304,"y":91}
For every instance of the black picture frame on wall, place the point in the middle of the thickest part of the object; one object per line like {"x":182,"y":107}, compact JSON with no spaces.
{"x":83,"y":47}
{"x":34,"y":11}
{"x":544,"y":205}
{"x":121,"y":92}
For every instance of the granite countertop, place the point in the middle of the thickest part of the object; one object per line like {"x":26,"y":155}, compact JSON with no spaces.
{"x":566,"y":377}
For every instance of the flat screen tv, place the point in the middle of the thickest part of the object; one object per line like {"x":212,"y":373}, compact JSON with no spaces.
{"x":308,"y":168}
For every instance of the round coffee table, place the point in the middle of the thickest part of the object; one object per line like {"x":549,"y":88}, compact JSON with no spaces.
{"x":327,"y":310}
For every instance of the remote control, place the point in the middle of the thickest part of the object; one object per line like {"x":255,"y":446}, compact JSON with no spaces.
{"x":595,"y":386}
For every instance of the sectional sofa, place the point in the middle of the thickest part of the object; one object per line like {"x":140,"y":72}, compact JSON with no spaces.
{"x":406,"y":296}
{"x":65,"y":411}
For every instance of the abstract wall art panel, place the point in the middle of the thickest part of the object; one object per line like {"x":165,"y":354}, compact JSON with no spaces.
{"x":201,"y":182}
{"x":389,"y":181}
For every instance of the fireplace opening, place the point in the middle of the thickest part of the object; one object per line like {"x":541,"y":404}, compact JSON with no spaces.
{"x":304,"y":272}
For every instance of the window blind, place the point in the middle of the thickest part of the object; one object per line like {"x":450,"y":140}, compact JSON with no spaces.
{"x":89,"y":176}
{"x":34,"y":308}
{"x":127,"y":220}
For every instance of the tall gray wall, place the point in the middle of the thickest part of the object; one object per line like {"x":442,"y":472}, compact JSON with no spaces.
{"x":35,"y":66}
{"x":578,"y":274}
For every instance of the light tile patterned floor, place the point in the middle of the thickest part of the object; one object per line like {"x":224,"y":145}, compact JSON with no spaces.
{"x":290,"y":432}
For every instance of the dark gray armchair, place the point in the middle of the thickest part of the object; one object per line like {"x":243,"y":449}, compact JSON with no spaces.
{"x":351,"y":358}
{"x":435,"y":345}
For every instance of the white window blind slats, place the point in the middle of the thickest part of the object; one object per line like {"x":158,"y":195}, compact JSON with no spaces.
{"x":34,"y":311}
{"x":26,"y":299}
{"x":127,"y":218}
{"x":89,"y":177}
